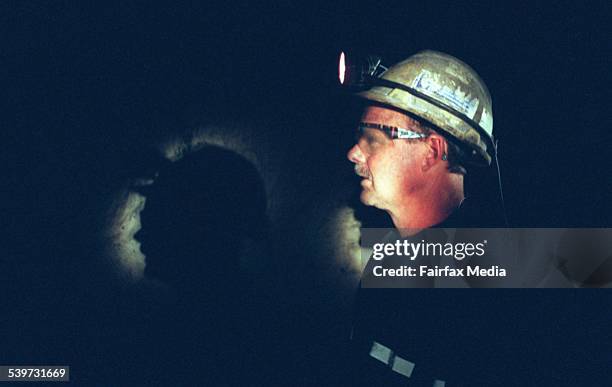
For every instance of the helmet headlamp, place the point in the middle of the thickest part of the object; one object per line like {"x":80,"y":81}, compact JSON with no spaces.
{"x":357,"y":72}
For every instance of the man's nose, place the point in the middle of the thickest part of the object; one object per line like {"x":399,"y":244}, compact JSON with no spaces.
{"x":356,"y":155}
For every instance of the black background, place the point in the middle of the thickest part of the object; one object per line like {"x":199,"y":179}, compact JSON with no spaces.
{"x":89,"y":88}
{"x":92,"y":84}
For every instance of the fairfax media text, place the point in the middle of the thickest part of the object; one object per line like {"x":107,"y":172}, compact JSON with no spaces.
{"x":436,"y":271}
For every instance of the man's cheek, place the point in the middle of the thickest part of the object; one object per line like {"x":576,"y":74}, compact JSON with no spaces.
{"x":383,"y":185}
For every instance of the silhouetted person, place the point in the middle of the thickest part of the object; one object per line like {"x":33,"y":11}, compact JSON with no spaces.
{"x":201,"y":215}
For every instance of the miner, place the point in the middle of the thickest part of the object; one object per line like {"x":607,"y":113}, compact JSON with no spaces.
{"x":427,"y":122}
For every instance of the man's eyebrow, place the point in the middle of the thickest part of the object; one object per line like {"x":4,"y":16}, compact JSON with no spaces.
{"x":372,"y":133}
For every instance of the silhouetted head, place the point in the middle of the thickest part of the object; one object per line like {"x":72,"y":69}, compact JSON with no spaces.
{"x":198,"y":214}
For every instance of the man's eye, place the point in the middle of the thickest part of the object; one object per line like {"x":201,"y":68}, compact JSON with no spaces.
{"x":372,"y":139}
{"x":374,"y":144}
{"x":379,"y":138}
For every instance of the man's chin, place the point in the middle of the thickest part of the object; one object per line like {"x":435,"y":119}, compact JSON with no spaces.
{"x":370,"y":199}
{"x":367,"y":199}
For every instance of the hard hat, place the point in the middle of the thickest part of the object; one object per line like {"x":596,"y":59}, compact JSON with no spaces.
{"x":444,"y":91}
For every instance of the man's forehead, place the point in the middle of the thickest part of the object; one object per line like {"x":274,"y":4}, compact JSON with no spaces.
{"x":386,"y":116}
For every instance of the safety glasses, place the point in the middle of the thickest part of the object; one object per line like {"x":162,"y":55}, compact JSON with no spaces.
{"x":392,"y":131}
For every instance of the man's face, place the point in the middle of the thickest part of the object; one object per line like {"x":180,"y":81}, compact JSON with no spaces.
{"x":391,"y":169}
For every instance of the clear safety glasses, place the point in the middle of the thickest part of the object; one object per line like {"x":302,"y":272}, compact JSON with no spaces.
{"x":393,"y":132}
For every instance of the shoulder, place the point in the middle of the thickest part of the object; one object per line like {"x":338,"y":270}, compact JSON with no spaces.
{"x":473,"y":213}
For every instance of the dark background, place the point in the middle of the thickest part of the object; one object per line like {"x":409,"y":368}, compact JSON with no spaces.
{"x":89,"y":85}
{"x":89,"y":89}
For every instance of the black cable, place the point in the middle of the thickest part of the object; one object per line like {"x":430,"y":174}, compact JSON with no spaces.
{"x":499,"y":181}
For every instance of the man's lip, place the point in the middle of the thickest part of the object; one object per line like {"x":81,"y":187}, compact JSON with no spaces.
{"x":362,"y":175}
{"x":362,"y":172}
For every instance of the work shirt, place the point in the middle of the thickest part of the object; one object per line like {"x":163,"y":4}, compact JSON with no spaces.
{"x":484,"y":337}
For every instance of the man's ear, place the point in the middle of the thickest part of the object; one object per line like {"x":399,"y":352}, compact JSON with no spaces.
{"x":437,"y":150}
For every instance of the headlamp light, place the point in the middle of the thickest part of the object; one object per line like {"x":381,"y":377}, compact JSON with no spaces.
{"x":357,"y":72}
